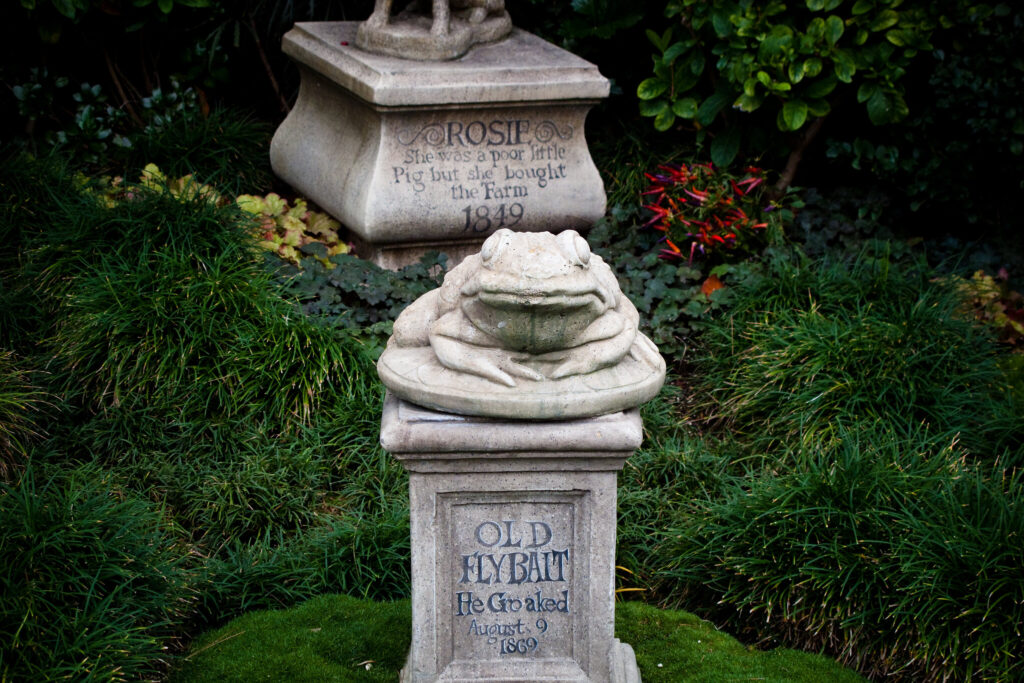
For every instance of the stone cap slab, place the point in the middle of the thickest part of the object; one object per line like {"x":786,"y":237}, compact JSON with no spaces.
{"x":520,"y":68}
{"x":410,"y":429}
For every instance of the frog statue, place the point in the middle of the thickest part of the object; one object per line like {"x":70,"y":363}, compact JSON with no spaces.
{"x":433,"y":29}
{"x":534,"y":326}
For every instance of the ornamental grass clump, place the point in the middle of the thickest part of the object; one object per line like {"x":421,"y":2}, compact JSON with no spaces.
{"x":873,"y":506}
{"x":94,"y":581}
{"x":703,"y":210}
{"x":22,"y":403}
{"x":813,"y":346}
{"x":891,"y":552}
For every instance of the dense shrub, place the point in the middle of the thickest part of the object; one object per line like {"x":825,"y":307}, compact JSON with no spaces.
{"x":890,"y":552}
{"x":957,"y":158}
{"x":93,"y":579}
{"x":871,"y":502}
{"x":177,"y":362}
{"x":813,"y":347}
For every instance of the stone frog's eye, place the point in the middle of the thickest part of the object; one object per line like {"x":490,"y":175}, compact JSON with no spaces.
{"x":574,"y":247}
{"x":494,"y":244}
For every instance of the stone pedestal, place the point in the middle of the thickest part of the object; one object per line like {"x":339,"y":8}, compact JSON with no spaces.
{"x":412,"y":155}
{"x":513,"y":544}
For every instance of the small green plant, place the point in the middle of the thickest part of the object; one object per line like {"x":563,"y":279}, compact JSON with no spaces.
{"x":286,"y":230}
{"x":990,"y":299}
{"x":355,"y":294}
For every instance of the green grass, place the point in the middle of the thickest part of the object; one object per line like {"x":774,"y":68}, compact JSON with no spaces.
{"x":94,"y":580}
{"x":814,"y":346}
{"x":863,"y":494}
{"x":334,"y":637}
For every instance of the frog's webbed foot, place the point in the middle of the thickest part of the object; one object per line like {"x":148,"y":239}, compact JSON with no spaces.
{"x":602,"y":344}
{"x":645,"y":351}
{"x":493,"y":364}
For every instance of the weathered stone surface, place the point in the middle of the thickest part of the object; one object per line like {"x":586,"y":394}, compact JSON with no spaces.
{"x":513,"y":545}
{"x":453,"y":27}
{"x":405,"y":152}
{"x":532,"y":327}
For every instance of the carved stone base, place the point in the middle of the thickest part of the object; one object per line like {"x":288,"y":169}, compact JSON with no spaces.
{"x":404,"y":151}
{"x":513,"y":545}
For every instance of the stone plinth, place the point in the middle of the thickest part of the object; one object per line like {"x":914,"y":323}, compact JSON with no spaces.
{"x":412,"y":155}
{"x":513,"y":544}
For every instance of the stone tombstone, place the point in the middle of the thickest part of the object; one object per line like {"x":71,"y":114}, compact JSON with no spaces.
{"x":512,"y":394}
{"x":412,"y":153}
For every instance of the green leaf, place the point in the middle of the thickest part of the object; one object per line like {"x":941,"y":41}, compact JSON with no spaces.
{"x":765,"y":79}
{"x":816,"y":29}
{"x":833,"y":29}
{"x":821,"y":88}
{"x":866,"y":91}
{"x":862,"y":6}
{"x":697,"y":63}
{"x":725,"y":147}
{"x":796,"y":71}
{"x":818,"y":108}
{"x":812,"y":67}
{"x":777,"y":42}
{"x":794,"y":114}
{"x":674,"y":50}
{"x":685,"y":108}
{"x":896,"y":37}
{"x":815,"y":5}
{"x":660,"y":42}
{"x":664,"y":120}
{"x":722,"y":25}
{"x":710,"y":107}
{"x":165,"y":5}
{"x":844,"y":66}
{"x":832,"y":4}
{"x":653,"y":107}
{"x":685,"y":80}
{"x":884,"y":20}
{"x":651,"y":88}
{"x":65,"y":7}
{"x":747,"y":103}
{"x":880,"y":108}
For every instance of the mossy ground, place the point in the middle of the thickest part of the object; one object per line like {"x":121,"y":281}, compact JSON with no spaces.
{"x":340,"y":638}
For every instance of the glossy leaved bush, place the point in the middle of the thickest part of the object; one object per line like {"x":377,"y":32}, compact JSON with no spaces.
{"x":793,"y":61}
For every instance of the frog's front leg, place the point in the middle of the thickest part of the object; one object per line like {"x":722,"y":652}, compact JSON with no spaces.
{"x":459,"y":345}
{"x":604,"y":343}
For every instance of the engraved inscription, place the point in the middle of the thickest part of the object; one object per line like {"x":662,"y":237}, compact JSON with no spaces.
{"x":512,"y":594}
{"x":485,"y":172}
